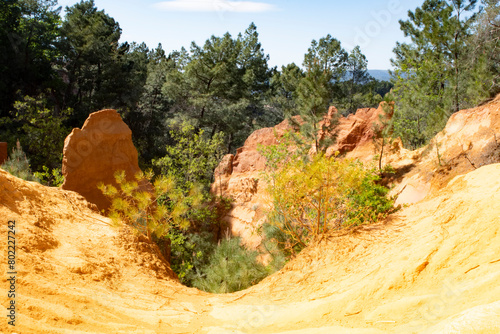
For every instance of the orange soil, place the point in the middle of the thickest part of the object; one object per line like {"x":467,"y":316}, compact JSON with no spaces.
{"x":433,"y":267}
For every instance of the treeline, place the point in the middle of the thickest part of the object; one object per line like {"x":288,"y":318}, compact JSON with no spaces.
{"x":452,"y":63}
{"x":55,"y":71}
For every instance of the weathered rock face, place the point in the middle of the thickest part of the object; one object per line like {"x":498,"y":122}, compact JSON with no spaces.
{"x":94,"y":153}
{"x":471,"y":139}
{"x":247,"y":158}
{"x":238,"y":177}
{"x":356,"y":130}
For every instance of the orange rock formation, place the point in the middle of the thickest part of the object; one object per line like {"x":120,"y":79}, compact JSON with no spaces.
{"x":95,"y":152}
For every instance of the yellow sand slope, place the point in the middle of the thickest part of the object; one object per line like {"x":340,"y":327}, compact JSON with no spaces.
{"x":433,"y":267}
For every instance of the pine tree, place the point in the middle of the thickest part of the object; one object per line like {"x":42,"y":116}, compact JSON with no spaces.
{"x":356,"y":79}
{"x":221,"y":85}
{"x":325,"y":65}
{"x":431,"y":77}
{"x":18,"y":165}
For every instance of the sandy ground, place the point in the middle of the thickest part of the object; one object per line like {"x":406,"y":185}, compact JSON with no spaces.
{"x":433,"y":267}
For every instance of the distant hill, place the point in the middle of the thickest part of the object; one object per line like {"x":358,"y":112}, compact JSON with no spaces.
{"x":380,"y":74}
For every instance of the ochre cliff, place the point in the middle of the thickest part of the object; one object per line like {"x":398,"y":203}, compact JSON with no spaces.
{"x":95,"y":152}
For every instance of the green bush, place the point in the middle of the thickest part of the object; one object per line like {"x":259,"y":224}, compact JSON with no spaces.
{"x":231,"y":268}
{"x":52,"y":178}
{"x":190,"y":249}
{"x":18,"y":165}
{"x":193,"y":157}
{"x":190,"y":253}
{"x":42,"y":130}
{"x":152,"y":212}
{"x":328,"y":194}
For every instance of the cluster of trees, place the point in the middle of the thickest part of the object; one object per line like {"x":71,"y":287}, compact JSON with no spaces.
{"x":55,"y":71}
{"x":450,"y":64}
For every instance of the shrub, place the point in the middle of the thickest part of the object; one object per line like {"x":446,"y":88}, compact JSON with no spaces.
{"x":149,"y":212}
{"x":328,"y":194}
{"x":231,"y":268}
{"x":43,"y":130}
{"x":190,"y":253}
{"x":52,"y":177}
{"x":18,"y":165}
{"x":193,"y":157}
{"x":191,"y":249}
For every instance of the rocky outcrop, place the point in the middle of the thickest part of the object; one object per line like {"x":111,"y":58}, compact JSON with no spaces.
{"x":357,"y":130}
{"x":95,"y":152}
{"x":239,"y":176}
{"x":471,"y":139}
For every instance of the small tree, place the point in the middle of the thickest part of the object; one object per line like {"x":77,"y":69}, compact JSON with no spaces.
{"x":44,"y":131}
{"x":18,"y":165}
{"x":383,"y":130}
{"x":51,"y":178}
{"x":193,"y":157}
{"x":328,"y":194}
{"x":152,"y":212}
{"x":231,"y":268}
{"x":325,"y":66}
{"x":355,"y":82}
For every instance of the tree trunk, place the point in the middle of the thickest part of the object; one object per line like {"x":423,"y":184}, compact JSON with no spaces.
{"x":381,"y":154}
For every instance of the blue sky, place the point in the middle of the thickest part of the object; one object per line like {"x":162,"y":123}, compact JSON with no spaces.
{"x":286,"y":28}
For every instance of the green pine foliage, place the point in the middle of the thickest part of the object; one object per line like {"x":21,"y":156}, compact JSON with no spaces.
{"x":282,"y":96}
{"x":193,"y":155}
{"x":231,"y":268}
{"x":151,"y":212}
{"x":437,"y":73}
{"x":222,"y":84}
{"x":190,"y":254}
{"x":325,"y":65}
{"x":51,"y":178}
{"x":18,"y":165}
{"x":43,"y":130}
{"x":356,"y":85}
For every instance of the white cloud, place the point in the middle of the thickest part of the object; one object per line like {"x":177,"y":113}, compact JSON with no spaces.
{"x":215,"y":6}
